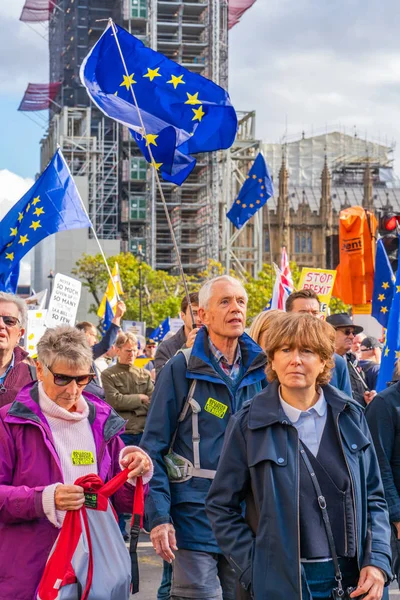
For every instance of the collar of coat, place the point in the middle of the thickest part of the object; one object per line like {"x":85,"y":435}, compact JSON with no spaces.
{"x":200,"y":362}
{"x":265,"y":410}
{"x":101,"y":416}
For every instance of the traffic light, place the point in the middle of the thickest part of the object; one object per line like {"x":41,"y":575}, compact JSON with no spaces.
{"x":389,"y":229}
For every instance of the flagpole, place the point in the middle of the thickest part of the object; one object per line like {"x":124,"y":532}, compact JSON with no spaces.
{"x":91,"y":226}
{"x":180,"y":266}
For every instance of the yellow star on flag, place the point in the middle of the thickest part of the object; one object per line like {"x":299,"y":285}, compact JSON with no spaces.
{"x":38,"y":211}
{"x":258,"y":201}
{"x":397,"y":354}
{"x":251,"y":205}
{"x":156,"y":165}
{"x":34,"y":225}
{"x":36,"y":200}
{"x":198,"y":113}
{"x":244,"y":205}
{"x":150,"y":139}
{"x":10,"y":244}
{"x":23,"y":239}
{"x":385,"y":285}
{"x":381,"y":297}
{"x":193,"y":98}
{"x":384,"y":309}
{"x":260,"y":181}
{"x":10,"y":256}
{"x":151,"y":73}
{"x":238,"y":202}
{"x":14,"y":230}
{"x":254,"y":176}
{"x":387,"y":351}
{"x":263,"y":187}
{"x":28,"y":207}
{"x":397,"y":289}
{"x":20,"y":217}
{"x":176,"y":80}
{"x":128,"y":81}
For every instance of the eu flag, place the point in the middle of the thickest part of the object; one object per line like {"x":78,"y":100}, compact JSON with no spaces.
{"x":161,"y":331}
{"x":52,"y":204}
{"x":183,"y":113}
{"x":391,"y":351}
{"x":383,"y":286}
{"x":256,"y":190}
{"x":108,"y":317}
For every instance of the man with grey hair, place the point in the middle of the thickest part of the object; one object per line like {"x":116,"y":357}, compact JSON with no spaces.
{"x":196,"y":393}
{"x":16,"y":369}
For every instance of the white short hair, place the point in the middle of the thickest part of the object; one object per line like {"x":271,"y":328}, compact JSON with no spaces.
{"x":19,"y":303}
{"x":205,"y":292}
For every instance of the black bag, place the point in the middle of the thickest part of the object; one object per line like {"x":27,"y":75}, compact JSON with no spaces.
{"x":338,"y":593}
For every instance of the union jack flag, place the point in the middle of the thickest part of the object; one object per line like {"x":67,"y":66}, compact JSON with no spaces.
{"x":283,"y":286}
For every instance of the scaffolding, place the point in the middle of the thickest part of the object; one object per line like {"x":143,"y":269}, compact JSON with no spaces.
{"x":194,"y":34}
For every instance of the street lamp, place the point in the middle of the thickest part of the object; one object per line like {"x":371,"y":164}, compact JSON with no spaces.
{"x":140,"y":259}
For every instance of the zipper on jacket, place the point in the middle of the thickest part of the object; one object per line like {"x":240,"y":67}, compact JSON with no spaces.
{"x":298,"y":519}
{"x":353,"y":497}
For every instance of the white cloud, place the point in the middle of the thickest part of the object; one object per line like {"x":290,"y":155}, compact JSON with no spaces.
{"x":12,"y":188}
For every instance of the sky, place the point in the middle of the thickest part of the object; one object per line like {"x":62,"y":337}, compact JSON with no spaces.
{"x":301,"y":64}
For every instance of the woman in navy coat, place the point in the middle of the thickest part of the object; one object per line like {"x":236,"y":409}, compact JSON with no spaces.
{"x":285,"y":554}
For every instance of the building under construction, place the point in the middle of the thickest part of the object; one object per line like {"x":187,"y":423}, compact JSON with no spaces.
{"x":119,"y":188}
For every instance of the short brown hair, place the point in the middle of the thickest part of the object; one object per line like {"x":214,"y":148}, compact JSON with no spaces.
{"x":308,"y":294}
{"x":302,"y":331}
{"x":125,"y":336}
{"x":194,"y":299}
{"x":85,"y":326}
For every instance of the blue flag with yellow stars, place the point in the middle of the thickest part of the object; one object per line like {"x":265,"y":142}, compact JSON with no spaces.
{"x":161,"y":331}
{"x":183,"y":113}
{"x":383,"y":286}
{"x":108,"y":317}
{"x":256,"y":190}
{"x":52,"y":204}
{"x":391,"y":350}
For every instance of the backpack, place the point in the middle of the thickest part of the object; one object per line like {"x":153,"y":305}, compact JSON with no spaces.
{"x":89,"y":559}
{"x":179,"y":468}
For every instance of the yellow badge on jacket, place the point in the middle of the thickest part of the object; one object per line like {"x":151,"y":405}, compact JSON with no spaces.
{"x":82,"y":457}
{"x":216,"y":408}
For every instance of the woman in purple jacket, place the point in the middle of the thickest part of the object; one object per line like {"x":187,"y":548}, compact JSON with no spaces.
{"x":51,"y":435}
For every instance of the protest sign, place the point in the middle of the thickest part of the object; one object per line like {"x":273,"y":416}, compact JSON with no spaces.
{"x":35,"y":328}
{"x":175,"y":325}
{"x":64,"y":301}
{"x":321,"y":281}
{"x":136,"y":327}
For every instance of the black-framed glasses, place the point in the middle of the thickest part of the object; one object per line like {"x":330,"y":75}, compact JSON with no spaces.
{"x":346,"y":331}
{"x":10,"y":321}
{"x":63,"y":380}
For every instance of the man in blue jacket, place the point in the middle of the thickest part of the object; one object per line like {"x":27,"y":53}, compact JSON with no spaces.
{"x":228,"y":369}
{"x":307,"y":301}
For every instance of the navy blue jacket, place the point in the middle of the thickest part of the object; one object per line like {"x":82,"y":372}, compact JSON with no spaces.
{"x":184,"y":503}
{"x":261,"y":455}
{"x":340,"y":376}
{"x":383,"y":416}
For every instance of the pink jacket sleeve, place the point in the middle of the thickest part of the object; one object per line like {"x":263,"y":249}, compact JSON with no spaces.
{"x":123,"y":499}
{"x":17,"y":502}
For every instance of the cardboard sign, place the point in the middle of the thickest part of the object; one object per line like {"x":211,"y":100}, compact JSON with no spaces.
{"x":362,"y":309}
{"x":321,"y":281}
{"x":64,"y":301}
{"x":35,"y":328}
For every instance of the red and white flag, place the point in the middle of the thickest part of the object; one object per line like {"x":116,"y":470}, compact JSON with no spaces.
{"x":283,"y":286}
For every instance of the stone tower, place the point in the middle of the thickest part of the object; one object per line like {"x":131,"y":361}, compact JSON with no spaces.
{"x":368,"y":201}
{"x":326,"y":210}
{"x":283,"y":206}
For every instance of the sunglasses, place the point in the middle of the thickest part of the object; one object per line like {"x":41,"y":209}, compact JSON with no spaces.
{"x":63,"y":380}
{"x":346,"y":331}
{"x":9,"y":321}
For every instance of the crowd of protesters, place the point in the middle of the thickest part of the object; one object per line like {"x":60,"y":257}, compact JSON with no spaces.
{"x":265,"y":479}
